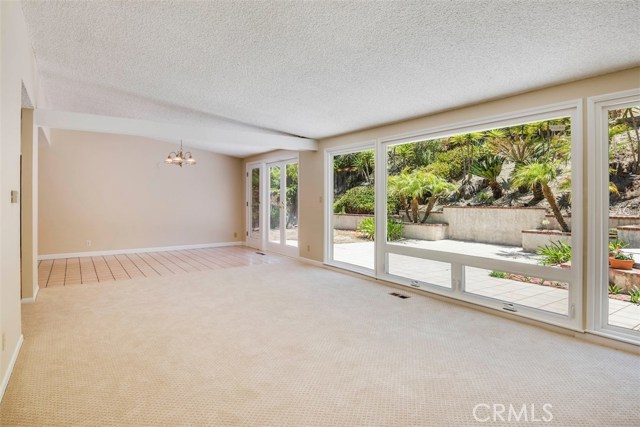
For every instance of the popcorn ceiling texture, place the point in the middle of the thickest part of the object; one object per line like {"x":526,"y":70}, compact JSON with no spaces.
{"x":316,"y":69}
{"x":294,"y":345}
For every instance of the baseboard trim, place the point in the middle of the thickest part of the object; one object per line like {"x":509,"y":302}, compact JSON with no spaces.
{"x":137,"y":250}
{"x":31,"y":300}
{"x":12,"y":363}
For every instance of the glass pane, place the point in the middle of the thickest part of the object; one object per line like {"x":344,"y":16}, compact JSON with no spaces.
{"x":292,"y":204}
{"x":274,"y":204}
{"x":255,"y":203}
{"x":624,"y":218}
{"x":420,"y":270}
{"x":503,"y":193}
{"x":531,"y":292}
{"x":353,"y":208}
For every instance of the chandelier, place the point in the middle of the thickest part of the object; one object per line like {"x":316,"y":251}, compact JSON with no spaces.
{"x":180,"y":158}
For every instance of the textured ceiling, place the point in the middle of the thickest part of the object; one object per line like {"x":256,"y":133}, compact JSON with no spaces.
{"x":316,"y":69}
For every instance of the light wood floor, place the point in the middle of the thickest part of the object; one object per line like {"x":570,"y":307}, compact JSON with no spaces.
{"x":100,"y":269}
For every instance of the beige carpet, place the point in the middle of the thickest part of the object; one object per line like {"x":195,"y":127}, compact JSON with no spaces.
{"x":294,"y":345}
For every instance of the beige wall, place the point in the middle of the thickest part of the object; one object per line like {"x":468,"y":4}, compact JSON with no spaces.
{"x":116,"y":191}
{"x":28,"y":214}
{"x":17,"y":67}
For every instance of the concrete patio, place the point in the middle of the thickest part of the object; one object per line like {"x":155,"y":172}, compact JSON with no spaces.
{"x":478,"y":281}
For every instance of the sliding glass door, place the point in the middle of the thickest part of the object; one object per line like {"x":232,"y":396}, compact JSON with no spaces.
{"x":254,"y":207}
{"x":351,"y":208}
{"x":283,"y":207}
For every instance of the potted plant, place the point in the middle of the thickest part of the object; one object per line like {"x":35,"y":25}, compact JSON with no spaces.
{"x":621,"y":261}
{"x":615,"y":245}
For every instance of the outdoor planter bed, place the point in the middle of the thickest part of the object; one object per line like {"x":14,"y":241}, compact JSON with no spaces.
{"x":533,"y":239}
{"x":426,"y":231}
{"x":348,"y":221}
{"x":478,"y":223}
{"x":625,"y":279}
{"x":630,"y":234}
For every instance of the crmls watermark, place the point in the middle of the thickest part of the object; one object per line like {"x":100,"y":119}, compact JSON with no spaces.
{"x":510,"y":413}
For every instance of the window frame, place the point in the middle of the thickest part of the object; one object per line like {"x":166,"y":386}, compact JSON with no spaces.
{"x":572,"y":109}
{"x":329,"y":155}
{"x":598,"y":207}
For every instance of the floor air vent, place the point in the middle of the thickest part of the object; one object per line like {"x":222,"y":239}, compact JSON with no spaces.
{"x":395,"y":294}
{"x":260,"y":253}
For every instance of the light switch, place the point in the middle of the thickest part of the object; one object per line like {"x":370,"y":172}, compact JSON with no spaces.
{"x":14,"y":196}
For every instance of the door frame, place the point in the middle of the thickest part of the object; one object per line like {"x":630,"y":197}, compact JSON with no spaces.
{"x":261,"y":242}
{"x":329,"y":155}
{"x":252,"y":241}
{"x":598,"y":206}
{"x":281,"y":247}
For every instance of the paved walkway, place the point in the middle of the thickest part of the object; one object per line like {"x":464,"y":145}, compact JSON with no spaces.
{"x":478,"y":281}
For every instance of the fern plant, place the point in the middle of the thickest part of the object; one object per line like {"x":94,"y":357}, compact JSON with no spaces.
{"x":555,"y":253}
{"x":367,"y":228}
{"x":614,"y":289}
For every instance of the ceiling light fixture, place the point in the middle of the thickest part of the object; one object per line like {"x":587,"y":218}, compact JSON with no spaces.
{"x":180,"y":158}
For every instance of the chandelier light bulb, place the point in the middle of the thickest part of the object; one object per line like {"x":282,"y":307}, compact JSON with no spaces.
{"x":179,"y":158}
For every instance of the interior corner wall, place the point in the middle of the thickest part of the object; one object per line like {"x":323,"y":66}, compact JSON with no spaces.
{"x":28,"y":241}
{"x":17,"y":67}
{"x":116,"y":192}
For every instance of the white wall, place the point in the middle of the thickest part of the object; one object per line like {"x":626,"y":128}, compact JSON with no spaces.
{"x":17,"y":66}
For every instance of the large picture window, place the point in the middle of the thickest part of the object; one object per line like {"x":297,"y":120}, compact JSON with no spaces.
{"x":503,"y":193}
{"x":481,"y":212}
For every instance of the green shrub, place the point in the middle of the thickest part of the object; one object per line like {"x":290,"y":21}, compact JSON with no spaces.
{"x":367,"y":228}
{"x":442,"y":170}
{"x":555,"y":253}
{"x":634,"y":293}
{"x":394,"y":230}
{"x":499,"y":274}
{"x":614,"y":289}
{"x":618,"y":254}
{"x":616,"y":244}
{"x":357,"y":200}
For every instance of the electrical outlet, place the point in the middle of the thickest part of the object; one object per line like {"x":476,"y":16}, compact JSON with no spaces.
{"x":235,"y":235}
{"x":308,"y":248}
{"x":3,"y":342}
{"x":320,"y":199}
{"x":88,"y":243}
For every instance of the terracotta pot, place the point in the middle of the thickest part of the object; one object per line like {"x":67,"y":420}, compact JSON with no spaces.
{"x":621,"y":264}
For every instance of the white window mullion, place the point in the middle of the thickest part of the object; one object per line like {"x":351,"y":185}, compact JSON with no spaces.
{"x":381,"y":208}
